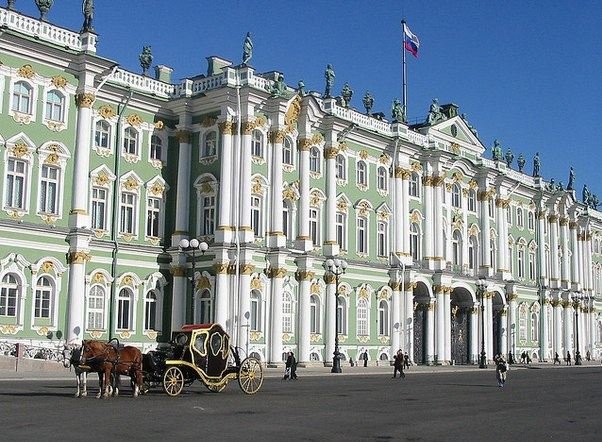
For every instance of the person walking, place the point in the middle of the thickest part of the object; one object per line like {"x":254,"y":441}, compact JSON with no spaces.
{"x":365,"y":358}
{"x":406,"y":360}
{"x":556,"y":358}
{"x":288,"y":366}
{"x":501,"y":368}
{"x":293,"y":367}
{"x":568,"y":358}
{"x":398,"y":365}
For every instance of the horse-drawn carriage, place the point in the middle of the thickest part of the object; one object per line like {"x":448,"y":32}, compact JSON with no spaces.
{"x":197,"y":352}
{"x":203,"y":352}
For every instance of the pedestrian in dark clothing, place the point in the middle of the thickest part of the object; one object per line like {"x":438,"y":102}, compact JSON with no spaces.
{"x":406,"y":360}
{"x":288,"y":366}
{"x":293,"y":367}
{"x":556,"y":358}
{"x":501,"y":369}
{"x":365,"y":358}
{"x":398,"y":365}
{"x":568,"y":358}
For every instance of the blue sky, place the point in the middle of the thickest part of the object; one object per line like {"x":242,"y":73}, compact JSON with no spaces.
{"x":525,"y":72}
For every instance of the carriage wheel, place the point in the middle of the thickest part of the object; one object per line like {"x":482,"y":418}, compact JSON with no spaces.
{"x":217,"y":388}
{"x":250,"y":376}
{"x":173,"y":381}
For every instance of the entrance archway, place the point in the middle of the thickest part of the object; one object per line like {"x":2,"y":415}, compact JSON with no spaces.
{"x":461,"y":303}
{"x":499,"y":331}
{"x":422,"y":301}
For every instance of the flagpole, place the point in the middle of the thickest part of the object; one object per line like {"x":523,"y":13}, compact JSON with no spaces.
{"x":404,"y":73}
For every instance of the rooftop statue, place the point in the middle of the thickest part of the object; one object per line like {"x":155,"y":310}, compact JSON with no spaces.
{"x":247,"y":49}
{"x":435,"y":114}
{"x":146,"y":59}
{"x":552,"y":185}
{"x":536,"y":165}
{"x":278,"y":89}
{"x":44,"y":6}
{"x":521,"y":162}
{"x":368,"y":102}
{"x":88,"y":11}
{"x":11,"y":5}
{"x":571,"y":184}
{"x":329,"y":77}
{"x":509,"y":157}
{"x":594,"y":201}
{"x":346,"y":94}
{"x":560,"y":186}
{"x":496,"y":151}
{"x":586,"y":195}
{"x":301,"y":88}
{"x":398,"y":112}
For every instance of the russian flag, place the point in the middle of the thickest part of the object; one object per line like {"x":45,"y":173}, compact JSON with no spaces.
{"x":410,"y":41}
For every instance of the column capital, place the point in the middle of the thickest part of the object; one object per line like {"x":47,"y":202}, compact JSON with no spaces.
{"x":277,"y":136}
{"x":225,"y":127}
{"x":184,"y":136}
{"x":78,"y":257}
{"x":85,"y":99}
{"x":330,"y":153}
{"x":304,"y":275}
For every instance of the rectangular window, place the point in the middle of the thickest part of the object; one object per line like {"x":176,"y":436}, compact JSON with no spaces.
{"x":340,"y":228}
{"x":256,"y":216}
{"x":362,"y":235}
{"x":313,"y":227}
{"x":153,"y":216}
{"x":521,"y":263}
{"x":128,"y":213}
{"x":123,"y":313}
{"x":532,"y":266}
{"x":49,"y":183}
{"x":16,"y":175}
{"x":381,"y":239}
{"x":362,"y":321}
{"x":99,"y":208}
{"x":208,"y":215}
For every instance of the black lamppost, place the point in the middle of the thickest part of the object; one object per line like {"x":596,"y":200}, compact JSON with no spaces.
{"x":481,"y":286}
{"x":577,"y":304}
{"x":192,"y":246}
{"x":337,"y":267}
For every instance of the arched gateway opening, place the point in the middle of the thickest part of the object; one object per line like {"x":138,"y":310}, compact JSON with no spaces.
{"x":460,"y":311}
{"x":499,"y":324}
{"x":422,"y":304}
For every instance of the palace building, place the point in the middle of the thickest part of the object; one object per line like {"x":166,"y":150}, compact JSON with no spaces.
{"x":106,"y":171}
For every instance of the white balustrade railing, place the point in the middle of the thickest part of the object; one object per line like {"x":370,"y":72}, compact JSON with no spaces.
{"x":143,"y":83}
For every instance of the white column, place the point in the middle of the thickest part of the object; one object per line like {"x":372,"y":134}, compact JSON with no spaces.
{"x":440,"y":325}
{"x":568,"y":328}
{"x":395,"y":317}
{"x":77,"y":289}
{"x":304,"y":278}
{"x":488,"y":325}
{"x":575,"y":277}
{"x":438,"y":187}
{"x":180,"y":286}
{"x":474,"y":334}
{"x":405,"y":212}
{"x":222,"y":291}
{"x":557,"y":305}
{"x":330,"y":319}
{"x":565,"y":277}
{"x":401,"y":231}
{"x":408,"y":321}
{"x":79,"y":216}
{"x":544,"y":338}
{"x":447,"y":324}
{"x":553,"y":229}
{"x":303,"y":240}
{"x":485,"y":234}
{"x":427,"y":234}
{"x":276,"y":235}
{"x":245,"y":178}
{"x":587,"y":262}
{"x":276,"y":276}
{"x":504,"y":334}
{"x":429,"y":330}
{"x":244,"y":306}
{"x":224,"y":224}
{"x":502,"y":238}
{"x":330,"y":244}
{"x":541,"y":247}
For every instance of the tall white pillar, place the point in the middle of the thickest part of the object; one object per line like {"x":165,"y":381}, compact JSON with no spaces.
{"x":474,"y":334}
{"x":558,"y":348}
{"x":276,"y":235}
{"x":447,"y":325}
{"x":575,"y":274}
{"x":224,"y":223}
{"x":331,"y":307}
{"x":554,"y":236}
{"x":439,"y":252}
{"x":183,"y":186}
{"x":568,"y":327}
{"x":504,"y":332}
{"x":276,"y":276}
{"x":565,"y":277}
{"x":396,"y":322}
{"x":244,"y":220}
{"x":486,"y":264}
{"x":429,"y":331}
{"x":544,"y":338}
{"x":405,"y":212}
{"x":428,"y":233}
{"x":303,"y":239}
{"x":541,"y":247}
{"x":330,"y":244}
{"x":488,"y":324}
{"x":408,"y":320}
{"x":513,"y":324}
{"x":222,"y":291}
{"x":244,"y":306}
{"x":304,"y":277}
{"x":440,"y":324}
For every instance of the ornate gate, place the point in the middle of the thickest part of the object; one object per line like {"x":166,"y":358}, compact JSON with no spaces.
{"x":419,"y":341}
{"x":459,"y":335}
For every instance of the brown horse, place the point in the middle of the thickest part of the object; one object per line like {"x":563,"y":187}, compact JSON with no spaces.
{"x":112,"y":362}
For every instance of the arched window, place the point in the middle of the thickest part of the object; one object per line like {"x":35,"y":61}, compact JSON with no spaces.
{"x":362,"y":318}
{"x":102,"y":134}
{"x":9,"y":296}
{"x":55,"y":106}
{"x":96,"y":308}
{"x":130,"y":141}
{"x":287,"y":313}
{"x":287,"y":152}
{"x":341,"y":167}
{"x":128,"y":209}
{"x":342,"y":314}
{"x":522,"y":323}
{"x":150,"y":311}
{"x":456,"y":196}
{"x":314,"y":160}
{"x":156,"y":148}
{"x":124,"y":310}
{"x":255,"y":312}
{"x":382,"y":181}
{"x":531,"y":220}
{"x":414,"y":185}
{"x":257,"y":144}
{"x":314,"y":314}
{"x":472,"y":200}
{"x":22,"y":98}
{"x":456,"y":248}
{"x":44,"y":300}
{"x":534,"y":327}
{"x":210,"y":144}
{"x":205,"y":308}
{"x":415,"y":241}
{"x":362,"y":173}
{"x":383,"y":318}
{"x":521,"y":262}
{"x":49,"y":189}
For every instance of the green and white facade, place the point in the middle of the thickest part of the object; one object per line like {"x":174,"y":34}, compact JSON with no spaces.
{"x":104,"y":171}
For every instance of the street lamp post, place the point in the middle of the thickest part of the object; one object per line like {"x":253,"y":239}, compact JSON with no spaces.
{"x":192,"y":246}
{"x":578,"y":297}
{"x":481,"y":286}
{"x":337,"y":267}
